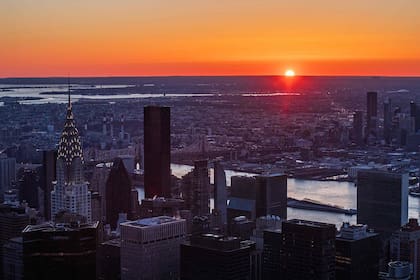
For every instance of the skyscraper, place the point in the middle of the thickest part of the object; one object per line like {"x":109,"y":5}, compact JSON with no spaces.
{"x":271,"y":254}
{"x":358,"y":127}
{"x":150,"y":248}
{"x":382,"y":199}
{"x":405,"y":245}
{"x":242,"y":200}
{"x":415,"y":115}
{"x":49,"y":162}
{"x":7,"y":172}
{"x":196,"y":189}
{"x":29,"y":185}
{"x":258,"y":196}
{"x":71,"y":191}
{"x":372,"y":114}
{"x":108,"y":260}
{"x":272,"y":195}
{"x":220,"y":196}
{"x":157,"y":151}
{"x":307,"y":250}
{"x":212,"y":256}
{"x":60,"y":251}
{"x":118,"y":193}
{"x":12,"y":221}
{"x":357,"y":253}
{"x":388,"y":120}
{"x":13,"y":259}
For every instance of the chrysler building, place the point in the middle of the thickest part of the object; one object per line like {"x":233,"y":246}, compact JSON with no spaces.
{"x":71,"y":192}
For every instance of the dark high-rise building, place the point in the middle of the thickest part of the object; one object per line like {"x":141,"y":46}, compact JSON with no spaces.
{"x":29,"y":185}
{"x":372,"y":114}
{"x":12,"y":221}
{"x":415,"y":115}
{"x":13,"y":259}
{"x":118,"y":193}
{"x":220,"y":195}
{"x":243,"y":187}
{"x":242,"y":200}
{"x":7,"y":172}
{"x":388,"y":114}
{"x":405,"y":246}
{"x":108,"y":260}
{"x":196,"y":189}
{"x":157,"y":151}
{"x":307,"y":250}
{"x":358,"y":127}
{"x":49,"y":161}
{"x":242,"y":227}
{"x":357,"y":253}
{"x":271,"y":254}
{"x":272,"y":195}
{"x":60,"y":251}
{"x":160,"y":206}
{"x":258,"y":196}
{"x":382,"y":200}
{"x":211,"y":256}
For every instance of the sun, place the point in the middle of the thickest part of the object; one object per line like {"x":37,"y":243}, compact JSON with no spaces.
{"x":289,"y":73}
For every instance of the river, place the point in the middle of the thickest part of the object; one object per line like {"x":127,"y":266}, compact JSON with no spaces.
{"x":342,"y":194}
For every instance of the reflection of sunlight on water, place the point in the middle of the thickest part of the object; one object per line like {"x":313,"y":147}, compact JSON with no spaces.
{"x":36,"y":90}
{"x":343,"y":194}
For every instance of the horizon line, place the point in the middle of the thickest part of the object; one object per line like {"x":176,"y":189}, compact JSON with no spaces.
{"x":207,"y":76}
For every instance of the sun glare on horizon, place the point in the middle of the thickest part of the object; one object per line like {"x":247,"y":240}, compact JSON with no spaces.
{"x":289,"y":73}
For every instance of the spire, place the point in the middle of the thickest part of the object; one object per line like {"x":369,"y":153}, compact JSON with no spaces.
{"x":68,"y":86}
{"x":69,"y":146}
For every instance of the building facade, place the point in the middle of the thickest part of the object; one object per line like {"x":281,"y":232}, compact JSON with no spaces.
{"x":157,"y":151}
{"x":49,"y":167}
{"x":372,"y":114}
{"x":71,"y":192}
{"x":357,"y":253}
{"x":118,"y":193}
{"x":150,"y":248}
{"x":13,"y":259}
{"x":212,"y":256}
{"x":7,"y":172}
{"x":307,"y":250}
{"x":405,"y":245}
{"x":272,"y":195}
{"x":220,"y":193}
{"x":196,"y":189}
{"x":60,"y":251}
{"x":382,"y":200}
{"x":13,"y":219}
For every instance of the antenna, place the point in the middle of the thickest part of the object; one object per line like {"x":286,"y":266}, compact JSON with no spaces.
{"x":68,"y":86}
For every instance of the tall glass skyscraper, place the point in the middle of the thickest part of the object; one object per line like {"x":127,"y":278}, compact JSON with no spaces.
{"x":157,"y":151}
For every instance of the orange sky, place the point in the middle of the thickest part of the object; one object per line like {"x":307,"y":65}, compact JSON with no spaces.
{"x":188,"y":37}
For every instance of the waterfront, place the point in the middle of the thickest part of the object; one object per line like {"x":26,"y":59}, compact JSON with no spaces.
{"x":343,"y":194}
{"x":56,"y":93}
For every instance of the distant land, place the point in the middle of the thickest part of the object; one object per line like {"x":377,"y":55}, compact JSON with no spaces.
{"x":222,"y":84}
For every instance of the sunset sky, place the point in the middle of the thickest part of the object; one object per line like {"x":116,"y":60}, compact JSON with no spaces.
{"x":191,"y":37}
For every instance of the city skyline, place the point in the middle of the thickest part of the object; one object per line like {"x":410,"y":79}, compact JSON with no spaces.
{"x":168,"y":38}
{"x":235,"y":140}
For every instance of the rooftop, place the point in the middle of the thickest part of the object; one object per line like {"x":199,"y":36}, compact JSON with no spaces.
{"x":309,"y":223}
{"x":51,"y":227}
{"x":354,"y":232}
{"x":153,"y":221}
{"x":412,"y":225}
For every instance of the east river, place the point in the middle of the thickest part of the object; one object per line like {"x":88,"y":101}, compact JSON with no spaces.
{"x":336,"y":193}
